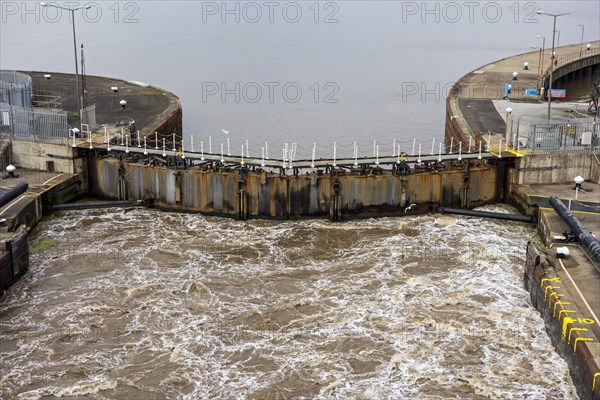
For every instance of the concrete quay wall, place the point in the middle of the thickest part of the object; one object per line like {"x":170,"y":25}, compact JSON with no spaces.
{"x":46,"y":157}
{"x":23,"y":214}
{"x":567,"y":329}
{"x":556,"y":168}
{"x":267,"y":195}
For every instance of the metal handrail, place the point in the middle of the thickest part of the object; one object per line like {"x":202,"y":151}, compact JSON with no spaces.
{"x":572,"y":57}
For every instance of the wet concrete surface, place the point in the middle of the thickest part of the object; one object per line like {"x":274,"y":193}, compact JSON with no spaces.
{"x":145,"y":103}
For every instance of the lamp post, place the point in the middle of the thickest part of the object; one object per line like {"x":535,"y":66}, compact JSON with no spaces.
{"x":539,"y":58}
{"x":552,"y":56}
{"x":72,"y":10}
{"x":543,"y":52}
{"x":581,"y":46}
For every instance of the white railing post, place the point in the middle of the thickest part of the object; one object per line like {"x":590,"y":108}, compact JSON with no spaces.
{"x":334,"y":153}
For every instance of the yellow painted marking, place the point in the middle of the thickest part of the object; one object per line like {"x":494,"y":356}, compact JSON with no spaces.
{"x":580,"y":339}
{"x":575,"y":329}
{"x":520,"y":153}
{"x":564,"y":311}
{"x":573,"y":211}
{"x":541,"y":196}
{"x":549,"y":279}
{"x":592,"y":313}
{"x":566,"y":321}
{"x":557,"y":303}
{"x":587,"y":321}
{"x":549,"y":287}
{"x":555,"y":296}
{"x":597,"y":374}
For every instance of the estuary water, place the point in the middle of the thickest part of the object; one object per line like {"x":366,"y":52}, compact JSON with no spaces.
{"x":303,"y":72}
{"x":141,"y":304}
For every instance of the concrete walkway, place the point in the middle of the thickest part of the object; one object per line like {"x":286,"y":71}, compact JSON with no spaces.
{"x":147,"y":105}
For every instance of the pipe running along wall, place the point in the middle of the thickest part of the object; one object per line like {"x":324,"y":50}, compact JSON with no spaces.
{"x":588,"y":242}
{"x":487,"y":214}
{"x":12,"y":193}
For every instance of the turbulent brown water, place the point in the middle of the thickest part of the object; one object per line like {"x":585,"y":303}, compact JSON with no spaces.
{"x":141,"y":304}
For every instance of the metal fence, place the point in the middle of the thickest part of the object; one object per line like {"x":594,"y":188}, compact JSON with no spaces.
{"x":35,"y":124}
{"x":15,"y":88}
{"x":88,"y":116}
{"x":568,"y":136}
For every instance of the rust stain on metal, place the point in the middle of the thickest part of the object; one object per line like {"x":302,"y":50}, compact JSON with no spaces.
{"x":271,"y":195}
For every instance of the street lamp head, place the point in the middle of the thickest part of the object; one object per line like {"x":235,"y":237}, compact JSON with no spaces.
{"x":508,"y":110}
{"x":88,"y":7}
{"x":43,"y":4}
{"x":588,"y":46}
{"x":540,"y":12}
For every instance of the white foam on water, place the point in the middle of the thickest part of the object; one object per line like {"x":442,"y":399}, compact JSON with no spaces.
{"x":186,"y":306}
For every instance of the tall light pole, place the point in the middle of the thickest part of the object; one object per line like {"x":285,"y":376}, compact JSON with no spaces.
{"x":72,"y":10}
{"x":543,"y":49}
{"x":581,"y":47}
{"x":552,"y":55}
{"x":539,"y":59}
